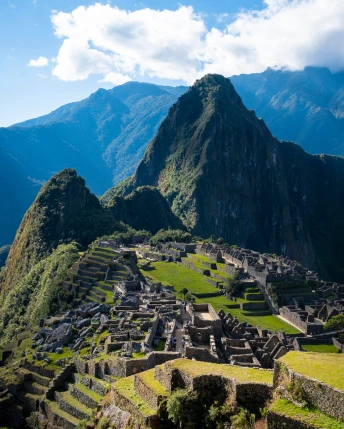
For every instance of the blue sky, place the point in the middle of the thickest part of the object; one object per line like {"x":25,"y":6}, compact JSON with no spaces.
{"x":72,"y":51}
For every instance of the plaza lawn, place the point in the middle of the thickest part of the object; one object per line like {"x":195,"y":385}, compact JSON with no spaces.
{"x":270,"y":322}
{"x":320,"y":348}
{"x":320,"y":366}
{"x":178,"y":276}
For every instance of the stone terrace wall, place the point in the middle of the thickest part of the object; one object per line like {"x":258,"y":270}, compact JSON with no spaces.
{"x":328,"y":399}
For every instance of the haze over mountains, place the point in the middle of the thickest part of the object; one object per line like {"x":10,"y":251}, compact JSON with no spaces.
{"x":104,"y":137}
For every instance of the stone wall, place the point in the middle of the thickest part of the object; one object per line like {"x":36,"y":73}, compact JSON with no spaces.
{"x":200,"y":354}
{"x":150,"y":336}
{"x":328,"y":399}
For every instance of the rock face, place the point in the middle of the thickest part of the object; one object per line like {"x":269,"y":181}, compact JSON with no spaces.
{"x":224,"y":173}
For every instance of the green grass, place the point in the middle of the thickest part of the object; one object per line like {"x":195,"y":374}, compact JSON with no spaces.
{"x":320,"y":348}
{"x":241,"y":374}
{"x":67,"y":397}
{"x":89,"y":392}
{"x":147,"y":378}
{"x":320,"y":366}
{"x":160,"y":347}
{"x":125,"y":387}
{"x":178,"y":276}
{"x":312,"y":417}
{"x":270,"y":322}
{"x":139,"y":355}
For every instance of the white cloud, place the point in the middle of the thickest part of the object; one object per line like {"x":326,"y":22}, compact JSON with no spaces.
{"x":40,"y":62}
{"x":116,"y":78}
{"x":119,"y":45}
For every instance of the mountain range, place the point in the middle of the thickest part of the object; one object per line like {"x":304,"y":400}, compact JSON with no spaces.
{"x":223,"y":173}
{"x":104,"y":136}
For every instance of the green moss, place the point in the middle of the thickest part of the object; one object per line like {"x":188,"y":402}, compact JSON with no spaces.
{"x":320,"y":366}
{"x":312,"y":417}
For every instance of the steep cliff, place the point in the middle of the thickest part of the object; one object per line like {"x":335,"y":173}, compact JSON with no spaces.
{"x":224,"y":173}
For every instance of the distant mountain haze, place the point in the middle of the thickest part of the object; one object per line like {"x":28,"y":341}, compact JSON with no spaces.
{"x":104,"y":137}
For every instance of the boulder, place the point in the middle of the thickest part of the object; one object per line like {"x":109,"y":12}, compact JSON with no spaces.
{"x":101,"y":308}
{"x":82,"y":323}
{"x":103,"y":319}
{"x":61,"y":335}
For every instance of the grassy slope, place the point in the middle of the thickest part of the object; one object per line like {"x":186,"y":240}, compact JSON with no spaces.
{"x":320,"y":366}
{"x":179,"y":277}
{"x":310,"y":416}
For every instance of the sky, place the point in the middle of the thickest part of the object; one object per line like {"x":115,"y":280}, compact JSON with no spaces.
{"x":57,"y":51}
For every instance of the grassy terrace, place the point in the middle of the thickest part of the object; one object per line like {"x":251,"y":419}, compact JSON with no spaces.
{"x":240,"y":374}
{"x":125,"y":387}
{"x":320,"y":366}
{"x":148,"y":379}
{"x":312,"y":417}
{"x":320,"y":348}
{"x":178,"y":276}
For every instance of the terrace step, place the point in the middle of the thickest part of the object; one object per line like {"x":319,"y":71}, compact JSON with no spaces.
{"x":101,"y":387}
{"x":35,"y":388}
{"x":149,"y":388}
{"x":85,"y":395}
{"x":59,"y":417}
{"x":72,"y":406}
{"x":127,"y":399}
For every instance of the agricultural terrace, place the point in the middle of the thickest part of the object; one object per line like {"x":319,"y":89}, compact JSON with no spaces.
{"x":327,"y":368}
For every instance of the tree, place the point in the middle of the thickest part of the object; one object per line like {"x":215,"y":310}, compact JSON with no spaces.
{"x":184,"y":291}
{"x":243,"y":420}
{"x":189,"y":297}
{"x":220,"y":241}
{"x":233,"y":285}
{"x":336,"y":323}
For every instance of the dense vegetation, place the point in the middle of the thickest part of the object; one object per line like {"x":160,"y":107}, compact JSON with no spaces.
{"x":145,"y":208}
{"x":37,"y":293}
{"x":64,"y":210}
